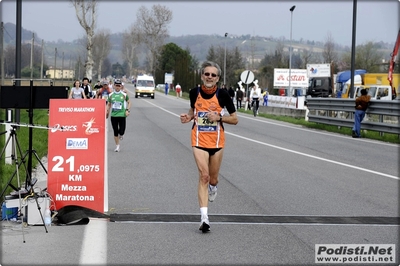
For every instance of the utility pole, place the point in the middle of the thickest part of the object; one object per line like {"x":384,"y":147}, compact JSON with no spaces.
{"x":32,"y":46}
{"x":62,"y":70}
{"x":79,"y":68}
{"x":290,"y":51}
{"x":41,"y":64}
{"x":2,"y":53}
{"x":18,"y":44}
{"x":226,"y":34}
{"x":69,"y":68}
{"x":55,"y":64}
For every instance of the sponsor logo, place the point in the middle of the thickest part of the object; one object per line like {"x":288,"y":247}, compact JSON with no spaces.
{"x":77,"y":144}
{"x":58,"y":127}
{"x":89,"y":127}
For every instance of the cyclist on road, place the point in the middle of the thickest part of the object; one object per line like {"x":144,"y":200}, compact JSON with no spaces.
{"x":255,"y":96}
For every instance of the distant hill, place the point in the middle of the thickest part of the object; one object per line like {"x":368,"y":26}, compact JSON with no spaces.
{"x":198,"y":45}
{"x":10,"y":33}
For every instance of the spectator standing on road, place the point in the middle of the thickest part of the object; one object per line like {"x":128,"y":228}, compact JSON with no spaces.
{"x":207,"y":105}
{"x":223,"y":87}
{"x":77,"y":92}
{"x":87,"y":88}
{"x":231,"y":92}
{"x":119,"y":106}
{"x":362,"y":103}
{"x":166,"y":88}
{"x":110,"y":85}
{"x":104,"y":92}
{"x":97,"y":87}
{"x":239,"y":98}
{"x":123,"y":89}
{"x":265,"y":98}
{"x":178,"y":90}
{"x":248,"y":98}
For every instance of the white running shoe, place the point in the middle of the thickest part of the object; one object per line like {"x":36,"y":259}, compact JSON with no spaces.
{"x":205,"y":225}
{"x":212,"y":193}
{"x":117,"y":148}
{"x":121,"y":137}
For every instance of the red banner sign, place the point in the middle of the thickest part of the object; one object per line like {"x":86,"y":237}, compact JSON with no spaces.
{"x":76,"y":153}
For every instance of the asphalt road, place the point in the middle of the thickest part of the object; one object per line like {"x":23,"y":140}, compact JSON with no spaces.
{"x":282,"y":190}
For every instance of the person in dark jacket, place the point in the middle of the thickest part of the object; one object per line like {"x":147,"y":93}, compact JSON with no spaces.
{"x":239,"y":98}
{"x":362,"y":103}
{"x":87,"y":88}
{"x":231,"y":92}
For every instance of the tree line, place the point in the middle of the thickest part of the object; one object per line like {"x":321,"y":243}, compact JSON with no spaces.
{"x":144,"y":50}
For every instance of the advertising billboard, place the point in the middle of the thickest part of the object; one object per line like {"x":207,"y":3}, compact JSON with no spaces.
{"x":76,"y":153}
{"x":299,"y":77}
{"x":318,"y":70}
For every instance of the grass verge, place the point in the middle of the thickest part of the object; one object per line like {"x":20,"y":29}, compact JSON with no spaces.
{"x":386,"y":137}
{"x":39,"y":145}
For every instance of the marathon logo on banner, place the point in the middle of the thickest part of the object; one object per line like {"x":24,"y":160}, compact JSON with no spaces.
{"x":355,"y":253}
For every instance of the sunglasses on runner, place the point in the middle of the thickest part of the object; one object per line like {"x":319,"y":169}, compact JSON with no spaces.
{"x":208,"y":74}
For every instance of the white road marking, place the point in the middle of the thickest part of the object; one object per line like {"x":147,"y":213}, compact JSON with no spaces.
{"x":314,"y":157}
{"x":295,"y":152}
{"x":94,"y":246}
{"x":266,"y":223}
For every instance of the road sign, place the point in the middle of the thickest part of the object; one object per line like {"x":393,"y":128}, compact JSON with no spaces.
{"x":247,"y":77}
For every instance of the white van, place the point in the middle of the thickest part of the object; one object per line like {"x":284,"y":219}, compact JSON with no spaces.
{"x":144,"y":86}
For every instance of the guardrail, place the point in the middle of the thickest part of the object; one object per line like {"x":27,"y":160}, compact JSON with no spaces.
{"x":381,"y":116}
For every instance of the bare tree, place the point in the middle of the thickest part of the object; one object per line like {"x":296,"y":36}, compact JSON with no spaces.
{"x":306,"y":57}
{"x":280,"y":59}
{"x":86,"y":13}
{"x":234,"y":61}
{"x":130,"y":41}
{"x":101,"y":49}
{"x":329,"y":54}
{"x":367,"y":57}
{"x":152,"y":27}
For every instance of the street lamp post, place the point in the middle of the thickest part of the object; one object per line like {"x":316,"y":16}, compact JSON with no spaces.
{"x":226,"y":35}
{"x":290,"y":50}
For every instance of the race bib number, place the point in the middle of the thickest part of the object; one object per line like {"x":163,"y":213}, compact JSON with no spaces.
{"x":205,"y":125}
{"x":117,"y":106}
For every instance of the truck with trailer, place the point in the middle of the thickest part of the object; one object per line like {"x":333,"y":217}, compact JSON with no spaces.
{"x":376,"y":84}
{"x":320,"y":80}
{"x":343,"y":82}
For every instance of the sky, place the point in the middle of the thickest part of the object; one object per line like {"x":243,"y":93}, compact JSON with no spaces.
{"x":376,"y":21}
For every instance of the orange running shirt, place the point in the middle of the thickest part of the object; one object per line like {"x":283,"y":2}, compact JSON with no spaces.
{"x":205,"y":133}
